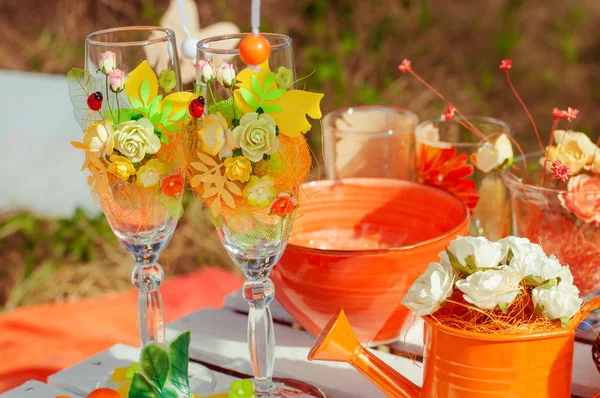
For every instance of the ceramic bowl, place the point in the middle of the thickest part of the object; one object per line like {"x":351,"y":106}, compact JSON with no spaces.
{"x":361,"y":244}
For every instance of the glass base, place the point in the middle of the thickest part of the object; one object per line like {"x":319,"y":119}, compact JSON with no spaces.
{"x":202,"y":381}
{"x":293,"y":388}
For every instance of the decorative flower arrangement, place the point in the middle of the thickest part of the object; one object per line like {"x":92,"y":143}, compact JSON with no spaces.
{"x":556,"y":192}
{"x":509,"y":286}
{"x":245,"y":147}
{"x":131,"y":132}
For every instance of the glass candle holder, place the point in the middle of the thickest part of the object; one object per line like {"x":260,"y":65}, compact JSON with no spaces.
{"x":369,"y":141}
{"x":443,"y":156}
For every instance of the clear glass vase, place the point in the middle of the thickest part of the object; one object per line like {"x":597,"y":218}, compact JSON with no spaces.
{"x":443,"y":159}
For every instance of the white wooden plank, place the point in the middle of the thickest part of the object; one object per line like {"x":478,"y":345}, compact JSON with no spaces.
{"x":35,"y":389}
{"x":219,"y":337}
{"x":84,"y":376}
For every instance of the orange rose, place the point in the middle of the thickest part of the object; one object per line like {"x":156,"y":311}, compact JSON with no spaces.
{"x":283,"y":204}
{"x":583,"y":197}
{"x":172,"y":185}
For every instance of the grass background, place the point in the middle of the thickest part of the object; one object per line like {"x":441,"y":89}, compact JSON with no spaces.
{"x":355,"y":47}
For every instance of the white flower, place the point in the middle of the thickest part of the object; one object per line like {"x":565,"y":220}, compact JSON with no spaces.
{"x":517,"y":246}
{"x":205,"y":71}
{"x":565,"y":275}
{"x":583,"y":141}
{"x":486,"y":254}
{"x":560,"y":301}
{"x":490,"y":156}
{"x":214,"y":134}
{"x":226,"y":74}
{"x":535,"y":267}
{"x":427,"y":293}
{"x":135,"y":138}
{"x":487,"y":289}
{"x":108,"y":61}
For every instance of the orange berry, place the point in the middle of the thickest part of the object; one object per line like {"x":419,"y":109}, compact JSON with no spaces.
{"x":254,"y":49}
{"x":103,"y":393}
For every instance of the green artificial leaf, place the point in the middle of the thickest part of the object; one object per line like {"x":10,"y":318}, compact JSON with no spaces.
{"x":137,"y":104}
{"x":509,"y":256}
{"x":137,"y":117}
{"x":534,"y":280}
{"x":171,"y":128}
{"x":141,"y":388}
{"x":166,"y":111}
{"x":164,"y":138}
{"x":154,"y":364}
{"x":565,"y":322}
{"x":273,"y":94}
{"x":155,"y":118}
{"x":178,"y":116}
{"x":248,"y":97}
{"x":271,"y":108}
{"x":258,"y":90}
{"x":457,"y":265}
{"x":269,"y":80}
{"x":503,"y":307}
{"x":153,"y":105}
{"x":470,"y":261}
{"x":550,"y":284}
{"x":179,"y":353}
{"x":236,"y":152}
{"x":133,"y":369}
{"x":145,"y":91}
{"x":123,"y":115}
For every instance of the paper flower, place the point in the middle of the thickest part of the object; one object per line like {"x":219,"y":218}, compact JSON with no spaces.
{"x":284,"y":77}
{"x":121,"y":167}
{"x":506,"y":64}
{"x":559,"y":302}
{"x":404,"y":66}
{"x":256,"y":135}
{"x":490,"y":288}
{"x":490,"y":156}
{"x":477,"y":251}
{"x":560,"y":171}
{"x":107,"y":62}
{"x":260,"y":192}
{"x":430,"y":290}
{"x":571,"y":113}
{"x":226,"y":74}
{"x":513,"y":246}
{"x":167,"y":80}
{"x":98,"y":139}
{"x":214,"y":133}
{"x":241,"y":389}
{"x":136,"y":138}
{"x":558,"y":114}
{"x":583,"y":197}
{"x":283,"y":204}
{"x":149,"y":175}
{"x":535,"y":267}
{"x":238,"y":168}
{"x":205,"y":71}
{"x":117,"y":80}
{"x":449,"y":113}
{"x":172,"y":185}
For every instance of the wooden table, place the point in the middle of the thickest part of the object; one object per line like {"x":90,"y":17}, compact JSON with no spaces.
{"x":219,"y":341}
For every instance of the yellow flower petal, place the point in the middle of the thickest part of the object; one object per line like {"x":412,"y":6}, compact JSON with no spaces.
{"x":137,"y":77}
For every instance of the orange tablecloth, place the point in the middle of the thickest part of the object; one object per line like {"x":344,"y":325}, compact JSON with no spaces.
{"x":38,"y":341}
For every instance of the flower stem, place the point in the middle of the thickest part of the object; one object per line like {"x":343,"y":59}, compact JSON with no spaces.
{"x":472,"y":128}
{"x":118,"y":109}
{"x":514,"y":90}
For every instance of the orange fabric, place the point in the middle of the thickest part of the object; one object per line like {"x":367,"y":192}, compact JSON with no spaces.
{"x":38,"y":341}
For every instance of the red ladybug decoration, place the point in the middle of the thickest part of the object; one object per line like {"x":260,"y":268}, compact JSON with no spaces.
{"x":197,"y":107}
{"x":94,"y":101}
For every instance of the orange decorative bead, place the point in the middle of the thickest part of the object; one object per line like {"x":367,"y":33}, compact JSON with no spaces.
{"x":254,"y":49}
{"x":103,"y":393}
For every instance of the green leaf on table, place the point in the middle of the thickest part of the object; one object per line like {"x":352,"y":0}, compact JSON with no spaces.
{"x":258,"y":90}
{"x":145,"y":91}
{"x":141,"y":388}
{"x":272,"y":108}
{"x":179,"y":352}
{"x":154,"y":364}
{"x":248,"y":97}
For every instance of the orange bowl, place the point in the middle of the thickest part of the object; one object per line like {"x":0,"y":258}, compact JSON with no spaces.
{"x":362,"y":244}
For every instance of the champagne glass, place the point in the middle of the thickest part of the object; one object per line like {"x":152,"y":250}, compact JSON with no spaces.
{"x":247,"y":156}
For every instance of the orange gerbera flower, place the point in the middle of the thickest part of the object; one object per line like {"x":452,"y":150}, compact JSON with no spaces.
{"x":172,"y":185}
{"x":443,"y":168}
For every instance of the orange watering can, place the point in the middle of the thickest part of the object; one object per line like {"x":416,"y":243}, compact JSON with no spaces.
{"x":464,"y":364}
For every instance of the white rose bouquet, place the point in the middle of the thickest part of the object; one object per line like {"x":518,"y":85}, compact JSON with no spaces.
{"x":495,"y":286}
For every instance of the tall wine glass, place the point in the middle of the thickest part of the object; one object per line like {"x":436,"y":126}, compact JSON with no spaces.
{"x":247,"y":157}
{"x":132,"y":113}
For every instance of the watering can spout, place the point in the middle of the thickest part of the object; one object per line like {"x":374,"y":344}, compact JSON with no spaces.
{"x":337,"y":342}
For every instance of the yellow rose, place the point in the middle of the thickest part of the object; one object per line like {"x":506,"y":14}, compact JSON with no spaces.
{"x":214,"y":134}
{"x":256,"y":135}
{"x":569,"y":153}
{"x":260,"y":192}
{"x":583,"y":141}
{"x":98,"y":139}
{"x":238,"y":168}
{"x":150,"y":174}
{"x":121,"y":167}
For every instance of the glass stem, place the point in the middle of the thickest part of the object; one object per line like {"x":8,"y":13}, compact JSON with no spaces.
{"x":147,"y":277}
{"x":261,"y":337}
